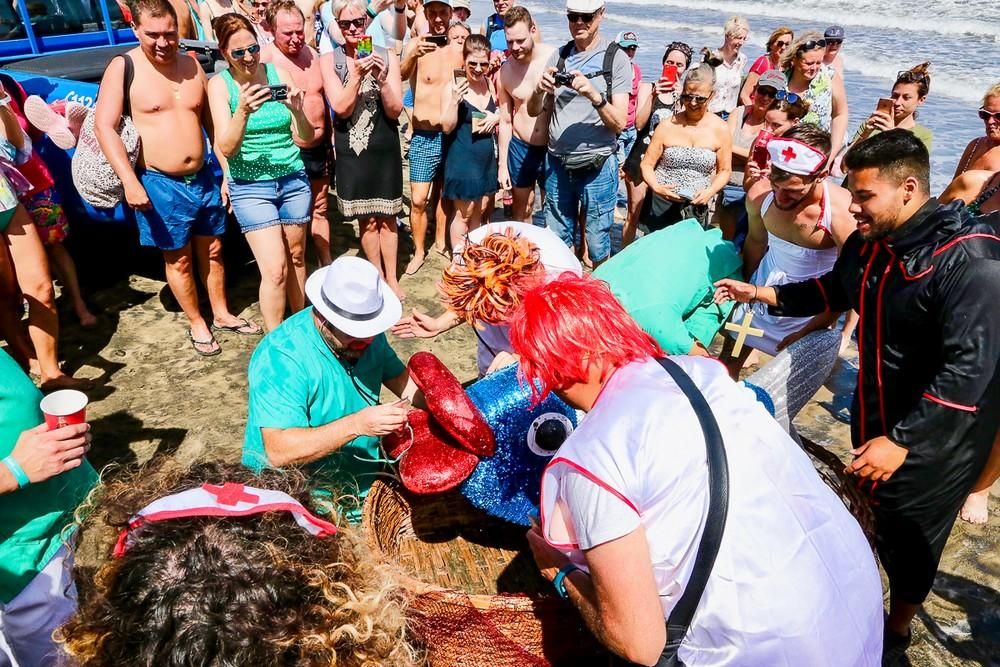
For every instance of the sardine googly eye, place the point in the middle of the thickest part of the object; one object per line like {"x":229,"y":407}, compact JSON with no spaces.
{"x":548,"y":432}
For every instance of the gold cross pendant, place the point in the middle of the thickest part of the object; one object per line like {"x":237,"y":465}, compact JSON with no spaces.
{"x":742,"y":330}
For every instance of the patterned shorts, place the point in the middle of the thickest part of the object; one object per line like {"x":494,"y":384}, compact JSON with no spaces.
{"x":47,"y":213}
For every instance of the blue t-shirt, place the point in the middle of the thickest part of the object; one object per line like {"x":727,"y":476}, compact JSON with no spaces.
{"x":493,"y":28}
{"x":297,"y":382}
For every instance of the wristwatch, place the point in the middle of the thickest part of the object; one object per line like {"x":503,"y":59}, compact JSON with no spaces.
{"x":604,"y":100}
{"x":559,"y":581}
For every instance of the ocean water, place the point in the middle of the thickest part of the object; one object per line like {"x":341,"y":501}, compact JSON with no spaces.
{"x":960,"y":39}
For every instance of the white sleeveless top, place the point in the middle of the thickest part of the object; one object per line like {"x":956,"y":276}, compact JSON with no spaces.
{"x":783,"y":263}
{"x":795,"y":582}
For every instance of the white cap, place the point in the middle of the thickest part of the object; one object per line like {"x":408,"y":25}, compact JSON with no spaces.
{"x":587,"y":6}
{"x":351,"y":295}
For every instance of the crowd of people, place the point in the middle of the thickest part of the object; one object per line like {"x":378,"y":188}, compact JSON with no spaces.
{"x":714,"y":197}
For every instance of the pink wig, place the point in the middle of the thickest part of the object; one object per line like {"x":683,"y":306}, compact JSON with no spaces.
{"x":562,"y":325}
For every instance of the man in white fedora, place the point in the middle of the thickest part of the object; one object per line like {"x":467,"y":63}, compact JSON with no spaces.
{"x":315,"y":381}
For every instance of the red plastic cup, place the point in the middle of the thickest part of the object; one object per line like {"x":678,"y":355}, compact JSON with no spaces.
{"x":64,"y":408}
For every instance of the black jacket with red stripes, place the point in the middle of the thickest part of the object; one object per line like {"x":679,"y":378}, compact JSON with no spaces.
{"x":929,"y":335}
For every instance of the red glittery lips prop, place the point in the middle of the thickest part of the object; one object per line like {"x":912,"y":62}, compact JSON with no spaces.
{"x":431,"y":464}
{"x":450,"y":405}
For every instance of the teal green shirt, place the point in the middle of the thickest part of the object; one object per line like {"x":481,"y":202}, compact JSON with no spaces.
{"x":297,"y":382}
{"x":32,"y":518}
{"x":665,"y":281}
{"x":267,"y":151}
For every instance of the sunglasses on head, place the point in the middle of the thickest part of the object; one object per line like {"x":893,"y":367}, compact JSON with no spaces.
{"x":355,"y":23}
{"x":580,"y":16}
{"x":786,"y":96}
{"x":238,"y":54}
{"x":906,"y":76}
{"x":694,"y":99}
{"x":986,"y":115}
{"x":811,"y":44}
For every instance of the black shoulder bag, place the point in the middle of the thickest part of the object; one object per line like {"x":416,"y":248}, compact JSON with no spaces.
{"x":711,"y":537}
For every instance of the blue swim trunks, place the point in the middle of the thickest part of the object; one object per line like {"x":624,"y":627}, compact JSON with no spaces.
{"x":182,"y":207}
{"x":525,"y":163}
{"x":426,"y":155}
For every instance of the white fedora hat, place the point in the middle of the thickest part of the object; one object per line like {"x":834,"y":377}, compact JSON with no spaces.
{"x":351,"y":295}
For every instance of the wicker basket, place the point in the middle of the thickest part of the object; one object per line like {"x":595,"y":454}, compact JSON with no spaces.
{"x":462,"y":567}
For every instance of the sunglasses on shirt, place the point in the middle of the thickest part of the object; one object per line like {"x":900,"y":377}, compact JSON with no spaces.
{"x":238,"y":54}
{"x":580,"y":16}
{"x":353,"y":23}
{"x":986,"y":115}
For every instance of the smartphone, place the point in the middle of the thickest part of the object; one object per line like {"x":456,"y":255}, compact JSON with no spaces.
{"x":440,"y":40}
{"x":670,"y":73}
{"x":885,"y":106}
{"x":279,"y":91}
{"x":364,"y":47}
{"x":685,"y":193}
{"x":459,"y":74}
{"x":478,"y":115}
{"x":760,"y":155}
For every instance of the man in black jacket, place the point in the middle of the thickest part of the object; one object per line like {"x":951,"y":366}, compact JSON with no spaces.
{"x":925,"y":278}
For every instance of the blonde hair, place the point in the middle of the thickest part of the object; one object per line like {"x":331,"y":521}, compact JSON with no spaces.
{"x":792,"y":54}
{"x":735,"y":25}
{"x":992,"y":91}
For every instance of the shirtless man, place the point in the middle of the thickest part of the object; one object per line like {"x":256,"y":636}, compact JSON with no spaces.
{"x":798,"y":223}
{"x":429,"y":68}
{"x":290,"y":53}
{"x":256,"y":11}
{"x":175,"y":196}
{"x":523,"y":140}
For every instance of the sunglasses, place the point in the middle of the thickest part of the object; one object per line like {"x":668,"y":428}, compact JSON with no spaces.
{"x":766,"y":91}
{"x":906,"y":76}
{"x":986,"y":115}
{"x":580,"y":16}
{"x":478,"y":65}
{"x":259,"y":5}
{"x":352,"y":23}
{"x":238,"y":54}
{"x":811,"y":44}
{"x":782,"y":43}
{"x":694,"y":99}
{"x":786,"y":96}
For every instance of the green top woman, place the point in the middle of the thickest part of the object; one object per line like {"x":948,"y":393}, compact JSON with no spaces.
{"x":908,"y":94}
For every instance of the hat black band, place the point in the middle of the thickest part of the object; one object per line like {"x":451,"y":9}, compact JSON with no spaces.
{"x":357,"y":317}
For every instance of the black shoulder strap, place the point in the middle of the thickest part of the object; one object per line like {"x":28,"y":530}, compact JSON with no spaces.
{"x":608,"y":67}
{"x":718,"y":509}
{"x":127,"y":85}
{"x":564,"y":52}
{"x":340,"y":63}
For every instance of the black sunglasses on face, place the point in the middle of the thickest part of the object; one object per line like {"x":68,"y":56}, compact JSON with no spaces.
{"x":238,"y":54}
{"x":986,"y":115}
{"x":766,"y":91}
{"x":782,"y":43}
{"x":580,"y":16}
{"x":357,"y":23}
{"x":695,"y":99}
{"x":811,"y":44}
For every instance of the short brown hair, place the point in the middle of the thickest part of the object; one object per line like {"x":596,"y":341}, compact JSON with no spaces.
{"x":228,"y":25}
{"x":518,"y":14}
{"x":151,"y":8}
{"x":277,"y":6}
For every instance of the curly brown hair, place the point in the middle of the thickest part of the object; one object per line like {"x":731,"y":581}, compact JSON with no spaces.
{"x":254,"y":590}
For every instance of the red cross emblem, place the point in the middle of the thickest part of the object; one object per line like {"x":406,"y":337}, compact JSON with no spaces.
{"x":231,"y":493}
{"x":788,"y":154}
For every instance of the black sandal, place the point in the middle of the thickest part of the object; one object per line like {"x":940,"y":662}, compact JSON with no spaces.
{"x":196,"y":343}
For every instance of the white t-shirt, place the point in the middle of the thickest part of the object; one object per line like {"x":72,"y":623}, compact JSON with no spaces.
{"x":728,"y":81}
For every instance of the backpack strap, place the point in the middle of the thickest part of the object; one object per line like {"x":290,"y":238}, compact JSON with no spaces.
{"x":564,"y":52}
{"x":340,"y":63}
{"x":127,"y":85}
{"x":607,"y":66}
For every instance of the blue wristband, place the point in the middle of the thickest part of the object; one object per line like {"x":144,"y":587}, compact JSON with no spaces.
{"x":371,"y":12}
{"x":559,"y":580}
{"x":17,"y":471}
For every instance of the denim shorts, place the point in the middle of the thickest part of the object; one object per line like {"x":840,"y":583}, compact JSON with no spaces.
{"x":525,"y":163}
{"x":426,"y":156}
{"x":733,"y":195}
{"x":626,"y":140}
{"x":596,"y":190}
{"x":182,"y":207}
{"x":280,"y":201}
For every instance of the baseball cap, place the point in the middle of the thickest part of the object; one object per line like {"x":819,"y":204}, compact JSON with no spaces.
{"x":461,"y":4}
{"x":443,"y":2}
{"x":627,"y":38}
{"x":587,"y":6}
{"x":773,"y":78}
{"x":834,"y":32}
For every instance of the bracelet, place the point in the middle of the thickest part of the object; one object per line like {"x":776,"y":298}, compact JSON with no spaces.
{"x":17,"y":471}
{"x":559,"y":581}
{"x":370,"y":11}
{"x":754,"y":297}
{"x":399,"y":10}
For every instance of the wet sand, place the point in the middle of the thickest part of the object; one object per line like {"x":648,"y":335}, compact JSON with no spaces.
{"x":158,"y":397}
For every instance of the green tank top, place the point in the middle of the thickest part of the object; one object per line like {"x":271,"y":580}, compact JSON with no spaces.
{"x":267,"y":151}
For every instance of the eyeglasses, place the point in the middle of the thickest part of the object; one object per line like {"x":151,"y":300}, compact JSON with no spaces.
{"x":786,"y":96}
{"x":906,"y":76}
{"x":238,"y":54}
{"x":352,"y":23}
{"x":767,"y":91}
{"x":986,"y":115}
{"x":694,"y":99}
{"x":260,"y":5}
{"x":580,"y":16}
{"x":810,"y":45}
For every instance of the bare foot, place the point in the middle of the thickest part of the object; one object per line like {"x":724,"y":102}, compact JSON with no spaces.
{"x":416,"y":262}
{"x":66,"y":382}
{"x":976,"y":509}
{"x":87,"y":319}
{"x":443,"y":251}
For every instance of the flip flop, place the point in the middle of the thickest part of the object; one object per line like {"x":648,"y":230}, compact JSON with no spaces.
{"x":248,"y":328}
{"x":196,"y":343}
{"x":415,"y":269}
{"x":47,"y":120}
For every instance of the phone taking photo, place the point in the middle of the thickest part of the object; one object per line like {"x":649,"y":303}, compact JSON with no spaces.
{"x":459,"y":75}
{"x":279,"y":91}
{"x":885,"y":106}
{"x":670,"y":73}
{"x":439,"y":40}
{"x":364,"y":47}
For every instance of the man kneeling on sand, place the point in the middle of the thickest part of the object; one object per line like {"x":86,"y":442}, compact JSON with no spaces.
{"x":315,"y":381}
